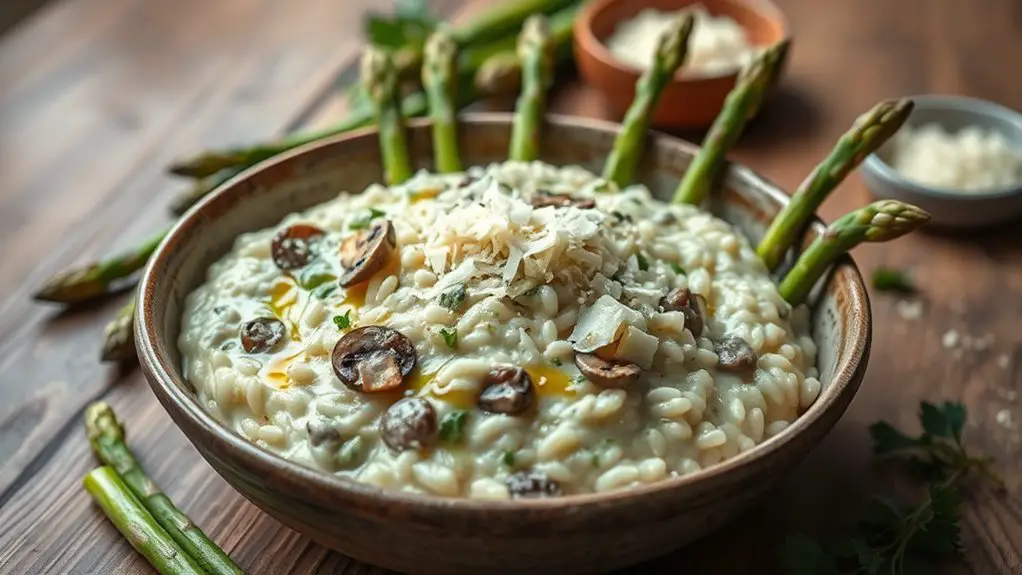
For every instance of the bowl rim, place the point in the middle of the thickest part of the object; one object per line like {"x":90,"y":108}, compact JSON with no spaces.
{"x":587,"y":40}
{"x":998,"y":113}
{"x":169,"y":384}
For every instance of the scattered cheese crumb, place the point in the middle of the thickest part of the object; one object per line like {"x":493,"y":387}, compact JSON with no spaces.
{"x":1003,"y":361}
{"x":1005,"y":418}
{"x":950,"y":339}
{"x":1008,"y":394}
{"x":910,"y":309}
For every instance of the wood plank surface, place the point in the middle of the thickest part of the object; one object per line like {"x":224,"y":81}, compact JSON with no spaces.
{"x":97,"y":95}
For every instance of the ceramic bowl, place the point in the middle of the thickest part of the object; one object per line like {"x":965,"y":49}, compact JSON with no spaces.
{"x":423,"y":534}
{"x":689,"y":102}
{"x":950,"y":208}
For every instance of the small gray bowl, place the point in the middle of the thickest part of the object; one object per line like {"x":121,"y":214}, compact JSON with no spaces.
{"x":949,"y":208}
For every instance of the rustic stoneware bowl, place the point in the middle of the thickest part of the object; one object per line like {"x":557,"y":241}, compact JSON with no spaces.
{"x":687,"y":102}
{"x":420,"y":534}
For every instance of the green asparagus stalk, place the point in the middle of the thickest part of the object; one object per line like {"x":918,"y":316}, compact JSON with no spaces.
{"x":107,"y":438}
{"x":440,"y":80}
{"x":670,"y":54}
{"x":119,"y":336}
{"x":81,"y":284}
{"x":137,"y":525}
{"x":380,"y":80}
{"x":536,"y":54}
{"x":878,"y":222}
{"x":500,"y":72}
{"x":868,"y":133}
{"x":505,"y":18}
{"x":741,"y":105}
{"x":475,"y":53}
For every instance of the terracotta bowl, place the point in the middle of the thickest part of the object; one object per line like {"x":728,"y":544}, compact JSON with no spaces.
{"x":423,"y":534}
{"x":690,"y":102}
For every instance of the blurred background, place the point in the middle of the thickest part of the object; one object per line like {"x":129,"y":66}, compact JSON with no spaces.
{"x":97,"y":97}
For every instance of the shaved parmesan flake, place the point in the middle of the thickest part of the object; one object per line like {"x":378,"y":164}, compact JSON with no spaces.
{"x":603,"y":323}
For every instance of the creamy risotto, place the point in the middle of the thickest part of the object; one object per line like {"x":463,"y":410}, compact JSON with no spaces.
{"x":516,"y":331}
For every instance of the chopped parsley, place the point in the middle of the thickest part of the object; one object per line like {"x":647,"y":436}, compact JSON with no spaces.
{"x":897,"y":539}
{"x":363,"y":222}
{"x":678,"y":269}
{"x":450,"y":335}
{"x":452,"y":426}
{"x":642,"y":261}
{"x":556,"y":362}
{"x":508,"y":458}
{"x":312,"y":278}
{"x":579,"y":380}
{"x":343,"y":321}
{"x":452,"y":298}
{"x":324,"y":291}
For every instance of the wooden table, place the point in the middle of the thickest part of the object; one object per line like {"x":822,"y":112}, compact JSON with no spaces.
{"x":97,"y":95}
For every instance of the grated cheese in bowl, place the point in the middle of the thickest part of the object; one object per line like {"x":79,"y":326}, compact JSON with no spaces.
{"x":718,"y":45}
{"x":971,"y":161}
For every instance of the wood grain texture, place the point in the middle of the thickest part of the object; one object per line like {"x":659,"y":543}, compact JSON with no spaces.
{"x":96,"y":95}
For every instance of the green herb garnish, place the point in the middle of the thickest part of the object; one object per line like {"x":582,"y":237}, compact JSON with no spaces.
{"x":324,"y":291}
{"x":452,"y":298}
{"x":642,"y":261}
{"x":895,"y":539}
{"x":452,"y":426}
{"x":312,"y":278}
{"x":363,"y":222}
{"x":343,"y":321}
{"x":678,"y":269}
{"x":508,"y":458}
{"x":892,"y":280}
{"x":450,"y":335}
{"x":556,"y":362}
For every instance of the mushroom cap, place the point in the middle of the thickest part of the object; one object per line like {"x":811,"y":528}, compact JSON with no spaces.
{"x":262,"y":334}
{"x":373,"y":359}
{"x":292,"y":247}
{"x":606,"y":373}
{"x":366,"y":252}
{"x":507,"y":390}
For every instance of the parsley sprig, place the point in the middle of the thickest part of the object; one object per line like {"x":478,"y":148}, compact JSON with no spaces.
{"x":895,"y":539}
{"x":892,"y":280}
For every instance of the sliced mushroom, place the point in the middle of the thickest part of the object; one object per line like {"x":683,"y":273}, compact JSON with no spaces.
{"x":366,"y":252}
{"x":322,"y":433}
{"x":262,"y":334}
{"x":606,"y":373}
{"x":373,"y":359}
{"x":409,"y":424}
{"x":692,"y":305}
{"x":734,"y":354}
{"x":542,"y":199}
{"x":531,"y":484}
{"x":507,"y":390}
{"x":294,"y":246}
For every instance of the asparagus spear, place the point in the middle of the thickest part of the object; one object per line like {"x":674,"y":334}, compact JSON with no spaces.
{"x":107,"y":438}
{"x":440,"y":81}
{"x":137,"y":525}
{"x":380,"y":80}
{"x":81,"y":284}
{"x":119,"y":336}
{"x":474,"y":55}
{"x":878,"y":222}
{"x":868,"y":133}
{"x":536,"y":54}
{"x":741,"y":105}
{"x":670,"y":54}
{"x":505,"y":18}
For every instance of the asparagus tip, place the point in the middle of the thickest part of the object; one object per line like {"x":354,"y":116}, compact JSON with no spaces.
{"x":69,"y":286}
{"x":892,"y":219}
{"x":673,"y":45}
{"x":100,"y":420}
